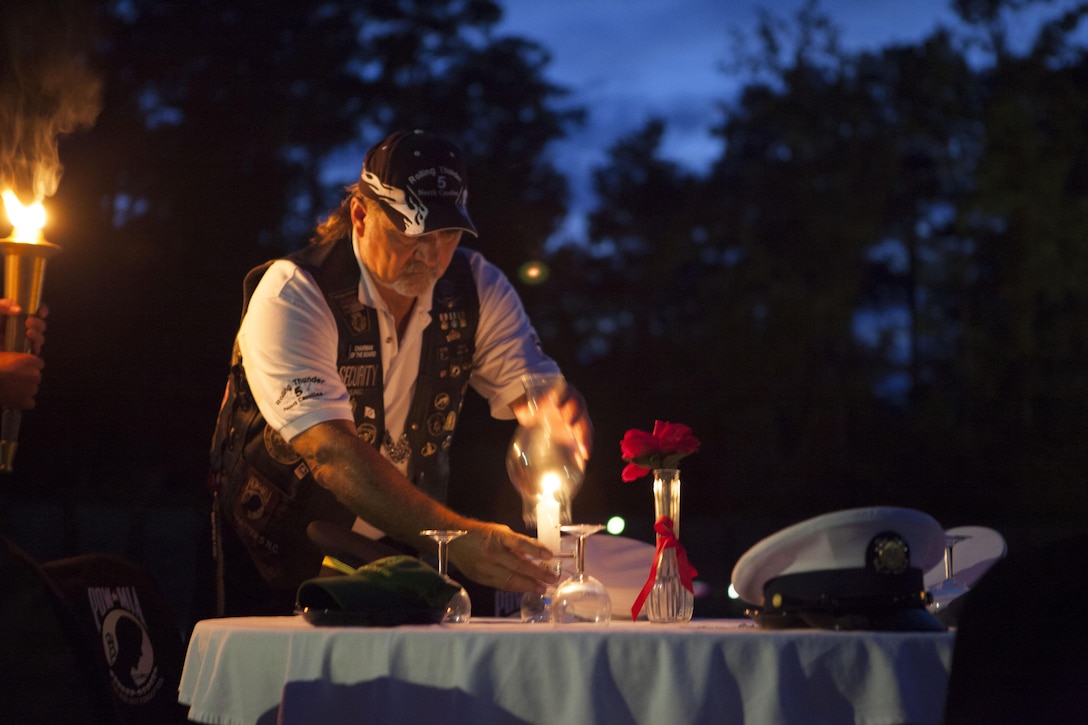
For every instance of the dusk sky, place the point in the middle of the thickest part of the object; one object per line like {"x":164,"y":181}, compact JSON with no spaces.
{"x":628,"y":61}
{"x":654,"y":57}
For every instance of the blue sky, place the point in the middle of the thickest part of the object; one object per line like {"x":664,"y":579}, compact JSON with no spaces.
{"x":626,"y":61}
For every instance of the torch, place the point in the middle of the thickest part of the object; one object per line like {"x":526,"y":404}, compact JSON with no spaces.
{"x":25,"y":255}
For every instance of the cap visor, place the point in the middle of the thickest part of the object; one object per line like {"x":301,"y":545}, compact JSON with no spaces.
{"x":439,"y":218}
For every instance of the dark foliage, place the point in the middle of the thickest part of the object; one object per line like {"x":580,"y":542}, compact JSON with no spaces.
{"x":878,"y":294}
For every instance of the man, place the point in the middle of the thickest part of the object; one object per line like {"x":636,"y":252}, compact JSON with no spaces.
{"x":350,"y":366}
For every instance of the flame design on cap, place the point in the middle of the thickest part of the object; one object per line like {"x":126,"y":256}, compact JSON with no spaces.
{"x":414,"y":211}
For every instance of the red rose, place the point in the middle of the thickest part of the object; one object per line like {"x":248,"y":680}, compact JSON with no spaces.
{"x":633,"y":472}
{"x":675,"y":438}
{"x":663,"y":448}
{"x":638,"y":443}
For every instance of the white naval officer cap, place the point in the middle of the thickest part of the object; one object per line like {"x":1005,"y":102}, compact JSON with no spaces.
{"x":855,"y":569}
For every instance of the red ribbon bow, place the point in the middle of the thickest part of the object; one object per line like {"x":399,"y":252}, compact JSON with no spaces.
{"x":666,"y":539}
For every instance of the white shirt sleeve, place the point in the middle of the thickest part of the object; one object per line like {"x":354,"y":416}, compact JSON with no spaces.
{"x":288,"y":342}
{"x":507,"y":346}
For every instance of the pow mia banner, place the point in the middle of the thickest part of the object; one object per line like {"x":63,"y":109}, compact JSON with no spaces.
{"x":130,"y":655}
{"x":121,"y":612}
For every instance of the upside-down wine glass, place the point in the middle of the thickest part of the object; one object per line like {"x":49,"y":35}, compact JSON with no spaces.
{"x":459,"y":608}
{"x":537,"y":608}
{"x":949,"y":589}
{"x":582,"y":598}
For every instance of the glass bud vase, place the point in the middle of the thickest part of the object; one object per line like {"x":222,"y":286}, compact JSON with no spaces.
{"x":668,"y":601}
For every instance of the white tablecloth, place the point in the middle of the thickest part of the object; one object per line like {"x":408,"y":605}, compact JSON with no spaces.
{"x":282,"y":669}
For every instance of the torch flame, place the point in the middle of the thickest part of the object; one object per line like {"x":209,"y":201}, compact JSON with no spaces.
{"x":27,"y":221}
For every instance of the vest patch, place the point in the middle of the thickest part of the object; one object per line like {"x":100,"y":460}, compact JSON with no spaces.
{"x":279,"y":449}
{"x":346,"y":305}
{"x":362,"y":352}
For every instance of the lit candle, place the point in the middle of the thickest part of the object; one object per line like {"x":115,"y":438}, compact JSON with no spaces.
{"x":547,"y":513}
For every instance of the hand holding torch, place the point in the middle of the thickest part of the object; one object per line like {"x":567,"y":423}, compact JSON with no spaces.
{"x":25,"y":255}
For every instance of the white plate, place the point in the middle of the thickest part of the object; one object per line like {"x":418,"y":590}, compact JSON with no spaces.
{"x":622,"y":564}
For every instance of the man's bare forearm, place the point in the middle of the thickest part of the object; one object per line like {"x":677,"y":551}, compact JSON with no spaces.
{"x":370,"y":486}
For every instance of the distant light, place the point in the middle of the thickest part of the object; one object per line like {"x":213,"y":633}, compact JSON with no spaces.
{"x":533,"y":272}
{"x":615,"y":525}
{"x":732,"y":592}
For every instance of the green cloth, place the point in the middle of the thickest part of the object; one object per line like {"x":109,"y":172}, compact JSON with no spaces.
{"x":393,"y":583}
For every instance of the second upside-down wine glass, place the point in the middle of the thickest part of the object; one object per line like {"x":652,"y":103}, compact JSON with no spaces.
{"x":459,"y":608}
{"x":582,"y":598}
{"x":949,"y":589}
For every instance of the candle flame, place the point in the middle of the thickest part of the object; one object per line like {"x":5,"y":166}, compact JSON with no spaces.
{"x":550,"y":485}
{"x":26,"y":221}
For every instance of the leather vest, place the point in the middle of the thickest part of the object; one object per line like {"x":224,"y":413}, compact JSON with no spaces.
{"x":264,"y":489}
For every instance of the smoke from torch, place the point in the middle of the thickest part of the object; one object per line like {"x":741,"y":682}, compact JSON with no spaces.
{"x":47,"y":90}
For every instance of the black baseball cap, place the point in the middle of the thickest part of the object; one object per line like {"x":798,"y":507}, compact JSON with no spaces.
{"x":419,"y":181}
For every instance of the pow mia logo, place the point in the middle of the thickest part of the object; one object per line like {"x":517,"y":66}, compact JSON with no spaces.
{"x":254,"y":499}
{"x":280,"y":450}
{"x":368,"y":432}
{"x":358,"y":321}
{"x":134,"y":675}
{"x":354,"y":314}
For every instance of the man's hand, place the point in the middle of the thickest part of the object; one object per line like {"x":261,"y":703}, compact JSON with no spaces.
{"x":35,"y":329}
{"x":369,"y":485}
{"x":495,"y":555}
{"x":35,"y":324}
{"x":21,"y":373}
{"x":573,"y":407}
{"x":573,"y":411}
{"x":20,"y":376}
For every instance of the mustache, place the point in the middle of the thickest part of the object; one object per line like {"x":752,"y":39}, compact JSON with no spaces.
{"x":414,"y":279}
{"x":417,"y":268}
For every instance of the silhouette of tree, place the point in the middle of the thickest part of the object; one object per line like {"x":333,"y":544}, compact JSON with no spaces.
{"x":227,"y":129}
{"x":1025,"y":354}
{"x":876,"y":294}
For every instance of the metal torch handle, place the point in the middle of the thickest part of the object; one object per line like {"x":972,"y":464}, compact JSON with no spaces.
{"x":9,"y":438}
